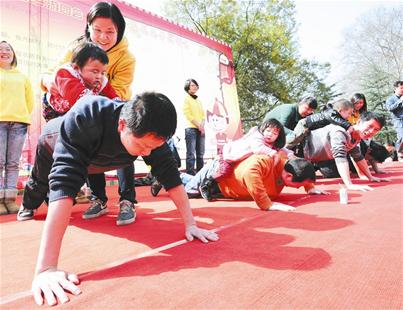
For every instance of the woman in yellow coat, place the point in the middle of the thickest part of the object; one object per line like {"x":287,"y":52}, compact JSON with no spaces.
{"x":194,"y":131}
{"x":16,"y":104}
{"x":105,"y":27}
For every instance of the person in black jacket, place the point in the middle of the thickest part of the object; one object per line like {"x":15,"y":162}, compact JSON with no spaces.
{"x":97,"y":135}
{"x":336,"y":113}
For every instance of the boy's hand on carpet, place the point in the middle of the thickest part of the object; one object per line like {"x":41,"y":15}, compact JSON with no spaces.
{"x":317,"y":191}
{"x":53,"y":282}
{"x":376,"y":179}
{"x":277,"y":206}
{"x":201,"y":234}
{"x":358,"y":187}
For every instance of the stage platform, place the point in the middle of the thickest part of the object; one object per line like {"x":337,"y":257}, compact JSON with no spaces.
{"x":322,"y":256}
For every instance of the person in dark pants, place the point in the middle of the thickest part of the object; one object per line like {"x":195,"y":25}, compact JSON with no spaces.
{"x":194,"y":131}
{"x":98,"y":135}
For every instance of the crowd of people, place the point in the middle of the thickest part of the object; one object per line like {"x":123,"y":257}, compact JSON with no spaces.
{"x":94,"y":126}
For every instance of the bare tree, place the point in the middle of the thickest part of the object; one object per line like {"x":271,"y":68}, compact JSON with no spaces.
{"x":373,"y":50}
{"x":373,"y":58}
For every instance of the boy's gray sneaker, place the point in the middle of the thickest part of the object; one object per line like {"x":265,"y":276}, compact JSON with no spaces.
{"x":127,"y":213}
{"x":96,"y":209}
{"x":25,"y":214}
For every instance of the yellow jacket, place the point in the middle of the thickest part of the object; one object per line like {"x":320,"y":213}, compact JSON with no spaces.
{"x":193,"y":110}
{"x":120,"y":68}
{"x":16,"y":97}
{"x":255,"y":178}
{"x":354,"y":118}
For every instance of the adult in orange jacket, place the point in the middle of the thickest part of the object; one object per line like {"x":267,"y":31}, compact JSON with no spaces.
{"x":257,"y":178}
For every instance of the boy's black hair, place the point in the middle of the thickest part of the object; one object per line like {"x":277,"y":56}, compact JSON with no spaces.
{"x":301,"y":170}
{"x":106,"y":10}
{"x":377,"y":151}
{"x":358,"y":96}
{"x":367,"y":116}
{"x":311,"y":101}
{"x":274,"y":123}
{"x":150,"y":112}
{"x":86,"y":51}
{"x":397,"y":84}
{"x":14,"y":61}
{"x":187,"y":84}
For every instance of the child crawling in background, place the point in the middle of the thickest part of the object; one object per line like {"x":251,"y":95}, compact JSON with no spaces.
{"x":267,"y":139}
{"x":85,"y":75}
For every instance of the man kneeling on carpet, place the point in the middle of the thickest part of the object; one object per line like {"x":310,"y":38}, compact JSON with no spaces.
{"x":257,"y":178}
{"x":96,"y":135}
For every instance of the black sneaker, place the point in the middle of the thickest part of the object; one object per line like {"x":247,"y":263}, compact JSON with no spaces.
{"x":96,"y":209}
{"x":25,"y":214}
{"x":193,"y":195}
{"x":127,"y":213}
{"x":205,"y":190}
{"x":155,"y":188}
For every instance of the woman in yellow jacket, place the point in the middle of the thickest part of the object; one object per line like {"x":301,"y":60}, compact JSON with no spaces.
{"x":16,"y":104}
{"x":194,"y":131}
{"x":105,"y":27}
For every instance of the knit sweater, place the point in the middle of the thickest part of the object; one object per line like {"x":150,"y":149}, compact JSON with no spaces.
{"x":86,"y":140}
{"x":331,"y":142}
{"x":193,"y":110}
{"x":16,"y":97}
{"x":255,"y":178}
{"x":120,"y":68}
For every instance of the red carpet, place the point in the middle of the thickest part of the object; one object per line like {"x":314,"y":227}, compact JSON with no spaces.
{"x":323,"y":256}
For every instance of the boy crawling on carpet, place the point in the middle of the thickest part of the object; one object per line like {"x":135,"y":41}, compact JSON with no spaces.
{"x":98,"y":135}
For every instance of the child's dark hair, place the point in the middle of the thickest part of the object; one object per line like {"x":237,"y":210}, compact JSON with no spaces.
{"x":367,"y":116}
{"x":301,"y":170}
{"x":274,"y":123}
{"x":106,"y":10}
{"x":377,"y":151}
{"x":86,"y":51}
{"x":397,"y":84}
{"x":358,"y":96}
{"x":14,"y":61}
{"x":150,"y":112}
{"x":187,"y":84}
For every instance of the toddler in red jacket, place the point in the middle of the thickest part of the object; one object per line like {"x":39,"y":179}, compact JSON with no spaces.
{"x":85,"y":75}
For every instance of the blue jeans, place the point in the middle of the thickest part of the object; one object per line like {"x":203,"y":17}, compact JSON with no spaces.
{"x":399,"y":142}
{"x":126,"y":185}
{"x":192,"y":183}
{"x":195,"y":142}
{"x":12,"y":137}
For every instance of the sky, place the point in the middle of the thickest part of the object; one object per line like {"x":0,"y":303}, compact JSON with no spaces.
{"x":321,"y":25}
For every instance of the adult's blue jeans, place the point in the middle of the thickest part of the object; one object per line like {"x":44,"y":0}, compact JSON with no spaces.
{"x":12,"y":137}
{"x":192,"y":183}
{"x":195,"y":144}
{"x":126,"y":189}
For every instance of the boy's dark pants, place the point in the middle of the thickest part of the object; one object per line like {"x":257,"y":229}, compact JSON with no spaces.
{"x":126,"y":189}
{"x":37,"y":187}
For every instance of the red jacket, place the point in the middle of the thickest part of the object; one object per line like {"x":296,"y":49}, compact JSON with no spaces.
{"x":71,"y":87}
